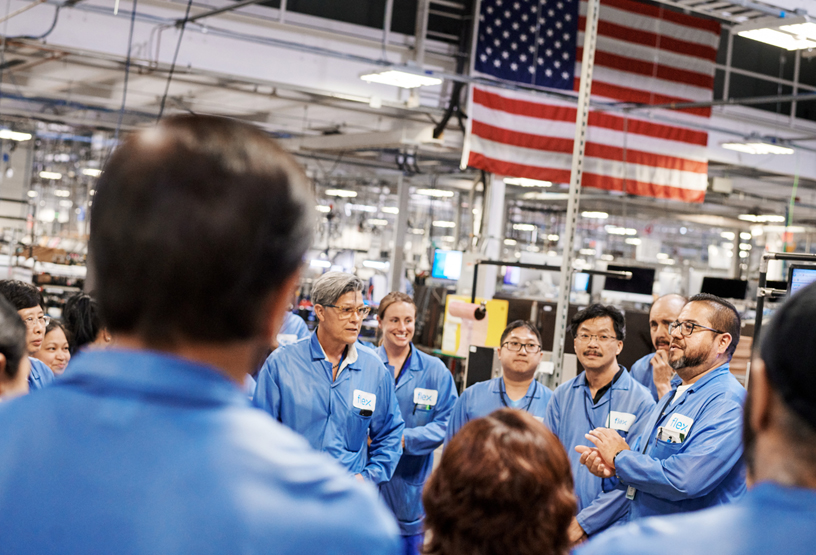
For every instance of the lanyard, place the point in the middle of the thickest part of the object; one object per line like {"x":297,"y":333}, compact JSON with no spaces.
{"x":592,"y":425}
{"x":402,"y":369}
{"x":504,"y":400}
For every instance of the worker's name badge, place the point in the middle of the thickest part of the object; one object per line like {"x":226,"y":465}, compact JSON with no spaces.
{"x":364,"y":401}
{"x":620,"y":420}
{"x":425,"y":396}
{"x":679,"y":425}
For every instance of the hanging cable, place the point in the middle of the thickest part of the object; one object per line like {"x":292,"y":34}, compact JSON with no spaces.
{"x":175,"y":57}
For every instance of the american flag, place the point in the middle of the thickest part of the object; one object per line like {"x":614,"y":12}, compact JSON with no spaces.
{"x":645,"y":54}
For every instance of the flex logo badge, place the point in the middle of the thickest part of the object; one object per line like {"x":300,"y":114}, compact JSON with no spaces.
{"x":364,"y":401}
{"x":620,"y":421}
{"x":425,"y":396}
{"x":679,"y":424}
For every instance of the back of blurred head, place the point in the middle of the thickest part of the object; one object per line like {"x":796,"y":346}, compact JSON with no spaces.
{"x":82,"y":320}
{"x":197,"y":227}
{"x":14,"y":365}
{"x":504,"y":485}
{"x":780,"y":412}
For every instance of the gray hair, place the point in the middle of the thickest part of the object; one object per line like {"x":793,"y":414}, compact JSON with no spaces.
{"x":332,"y":285}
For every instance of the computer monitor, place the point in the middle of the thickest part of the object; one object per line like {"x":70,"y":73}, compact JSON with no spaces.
{"x":581,"y":281}
{"x":800,"y":276}
{"x":512,"y":276}
{"x":447,"y":264}
{"x":642,"y":281}
{"x":725,"y":288}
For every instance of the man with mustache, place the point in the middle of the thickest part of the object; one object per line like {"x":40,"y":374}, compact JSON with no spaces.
{"x":332,"y":390}
{"x":777,"y":514}
{"x":654,"y":370}
{"x":603,"y":395}
{"x":690,"y":458}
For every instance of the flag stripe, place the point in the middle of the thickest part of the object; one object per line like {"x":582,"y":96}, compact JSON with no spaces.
{"x":650,"y":69}
{"x":642,"y":53}
{"x":592,"y":164}
{"x":626,"y":94}
{"x":593,"y":180}
{"x":653,"y":40}
{"x":688,"y":93}
{"x":667,"y":15}
{"x":593,"y":149}
{"x":530,"y":109}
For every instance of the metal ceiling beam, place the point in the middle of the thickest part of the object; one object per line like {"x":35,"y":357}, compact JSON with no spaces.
{"x":217,"y":11}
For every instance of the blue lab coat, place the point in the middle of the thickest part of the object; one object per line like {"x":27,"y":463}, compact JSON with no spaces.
{"x":425,"y":427}
{"x":137,"y":452}
{"x":485,"y":397}
{"x":571,"y":414}
{"x":707,"y":468}
{"x":769,"y":520}
{"x":293,"y":329}
{"x":642,"y":373}
{"x":40,"y":376}
{"x":295,"y":386}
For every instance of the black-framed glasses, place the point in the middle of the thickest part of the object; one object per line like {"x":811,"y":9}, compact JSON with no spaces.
{"x":345,"y":312}
{"x":515,"y":346}
{"x":687,"y":328}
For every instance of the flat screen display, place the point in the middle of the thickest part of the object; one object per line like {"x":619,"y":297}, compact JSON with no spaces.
{"x":800,"y":276}
{"x":642,"y":281}
{"x":580,"y":281}
{"x":447,"y":264}
{"x":725,"y":288}
{"x":512,"y":276}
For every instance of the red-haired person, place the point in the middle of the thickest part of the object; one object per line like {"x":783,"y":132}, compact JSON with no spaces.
{"x":504,"y":485}
{"x":426,"y":395}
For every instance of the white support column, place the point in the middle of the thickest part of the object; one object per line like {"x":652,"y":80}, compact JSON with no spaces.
{"x":590,"y":38}
{"x":400,"y":233}
{"x":493,"y":236}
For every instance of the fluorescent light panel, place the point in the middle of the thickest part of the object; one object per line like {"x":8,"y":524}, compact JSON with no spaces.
{"x":13,"y":135}
{"x":761,"y":218}
{"x":341,"y":193}
{"x":524,"y":182}
{"x":434,"y":193}
{"x":596,"y":215}
{"x":440,"y":223}
{"x":50,"y":175}
{"x":92,"y":172}
{"x":757,"y":147}
{"x":400,"y":79}
{"x":524,"y":227}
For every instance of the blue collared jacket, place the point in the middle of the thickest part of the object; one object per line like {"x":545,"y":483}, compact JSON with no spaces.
{"x":625,"y":407}
{"x":426,"y":395}
{"x":295,"y":386}
{"x":706,"y":468}
{"x":642,"y":373}
{"x":40,"y":376}
{"x":769,"y":520}
{"x":485,"y":397}
{"x":293,"y":329}
{"x":136,"y":452}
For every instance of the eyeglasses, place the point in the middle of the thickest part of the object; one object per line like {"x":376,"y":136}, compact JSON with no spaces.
{"x":602,"y":338}
{"x":515,"y":346}
{"x":43,"y":321}
{"x":687,"y":328}
{"x":347,"y":311}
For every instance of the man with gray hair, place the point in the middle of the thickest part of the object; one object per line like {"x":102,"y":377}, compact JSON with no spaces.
{"x":336,"y":393}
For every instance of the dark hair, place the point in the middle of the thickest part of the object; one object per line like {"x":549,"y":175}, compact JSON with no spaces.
{"x":82,"y":321}
{"x":391,"y":298}
{"x":520,"y":324}
{"x":195,"y":223}
{"x":788,"y":347}
{"x":504,"y":485}
{"x":12,"y":337}
{"x":56,"y":324}
{"x":21,"y":295}
{"x":598,"y":310}
{"x":724,"y":317}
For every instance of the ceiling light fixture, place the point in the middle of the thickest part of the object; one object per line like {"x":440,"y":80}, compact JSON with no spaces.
{"x":13,"y":135}
{"x":524,"y":227}
{"x":524,"y":182}
{"x":362,"y":208}
{"x":50,"y":175}
{"x":322,"y":208}
{"x":728,"y":235}
{"x":510,"y":242}
{"x":62,"y":193}
{"x":341,"y":193}
{"x":92,"y":172}
{"x":761,"y":218}
{"x":790,"y":33}
{"x":402,"y":79}
{"x":440,"y":223}
{"x":434,"y":193}
{"x":595,"y":215}
{"x":377,"y":221}
{"x":320,"y":263}
{"x":552,"y":237}
{"x":376,"y":264}
{"x":632,"y":241}
{"x":758,"y":147}
{"x":390,"y":210}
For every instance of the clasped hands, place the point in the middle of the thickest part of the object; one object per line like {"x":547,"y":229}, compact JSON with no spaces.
{"x":600,"y":460}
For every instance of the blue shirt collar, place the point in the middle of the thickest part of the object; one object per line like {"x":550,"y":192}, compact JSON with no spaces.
{"x":155,"y":374}
{"x":319,"y":354}
{"x":496,"y":386}
{"x":415,"y":364}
